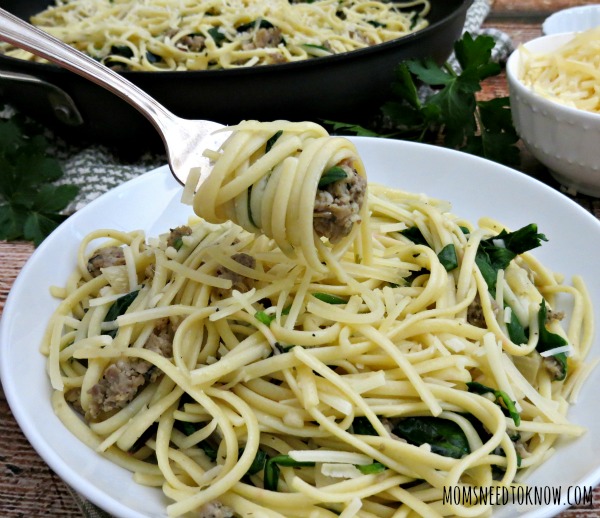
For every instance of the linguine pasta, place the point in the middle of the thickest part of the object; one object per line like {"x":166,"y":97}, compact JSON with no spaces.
{"x":266,"y":177}
{"x":231,"y":374}
{"x":158,"y":35}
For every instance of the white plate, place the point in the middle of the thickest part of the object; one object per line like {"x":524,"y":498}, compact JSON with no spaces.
{"x":151,"y":202}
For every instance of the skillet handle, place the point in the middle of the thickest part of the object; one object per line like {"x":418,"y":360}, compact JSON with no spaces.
{"x":51,"y":98}
{"x":28,"y":37}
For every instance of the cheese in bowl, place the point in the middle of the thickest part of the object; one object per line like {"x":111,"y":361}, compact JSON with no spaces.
{"x":556,"y":108}
{"x":569,"y":75}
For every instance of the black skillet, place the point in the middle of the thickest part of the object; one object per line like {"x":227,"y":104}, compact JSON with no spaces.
{"x":345,"y":87}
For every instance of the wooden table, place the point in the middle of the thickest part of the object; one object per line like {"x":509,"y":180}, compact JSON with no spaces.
{"x":28,"y":488}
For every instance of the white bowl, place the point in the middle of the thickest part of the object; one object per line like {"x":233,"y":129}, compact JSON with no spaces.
{"x":151,"y":202}
{"x":564,"y":139}
{"x":573,"y":19}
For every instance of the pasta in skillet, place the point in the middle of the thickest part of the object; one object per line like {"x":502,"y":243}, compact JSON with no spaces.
{"x":157,"y":35}
{"x":236,"y":378}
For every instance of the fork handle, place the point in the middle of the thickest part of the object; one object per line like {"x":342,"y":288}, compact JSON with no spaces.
{"x":28,"y":37}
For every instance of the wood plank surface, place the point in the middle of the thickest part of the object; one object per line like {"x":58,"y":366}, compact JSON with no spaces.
{"x":533,"y":8}
{"x":29,"y":488}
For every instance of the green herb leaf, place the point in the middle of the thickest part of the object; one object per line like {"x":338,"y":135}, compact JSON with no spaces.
{"x":259,"y":462}
{"x":371,"y":469}
{"x":516,"y":332}
{"x":429,"y":72}
{"x":271,"y":476}
{"x":474,"y":54}
{"x":329,"y":298}
{"x":312,"y":46}
{"x":271,"y":473}
{"x":38,"y":225}
{"x":54,"y":198}
{"x":498,"y":138}
{"x":284,"y":348}
{"x":549,"y":340}
{"x":217,"y":36}
{"x":119,"y":307}
{"x":492,"y":257}
{"x":317,"y":51}
{"x":447,"y":255}
{"x":445,"y":437}
{"x":353,"y":129}
{"x":272,"y":140}
{"x":264,"y":318}
{"x":448,"y":258}
{"x":208,"y":449}
{"x":256,"y":24}
{"x":286,"y":460}
{"x":178,"y":243}
{"x":415,"y":235}
{"x":332,"y":175}
{"x":12,"y":221}
{"x":30,"y":202}
{"x":433,"y":103}
{"x":153,"y":58}
{"x":456,"y":104}
{"x":121,"y":50}
{"x":362,"y":426}
{"x":501,"y":397}
{"x":405,"y":87}
{"x":186,"y":427}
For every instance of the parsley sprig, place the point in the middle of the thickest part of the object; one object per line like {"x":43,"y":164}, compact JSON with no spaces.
{"x":445,"y":110}
{"x":30,"y":201}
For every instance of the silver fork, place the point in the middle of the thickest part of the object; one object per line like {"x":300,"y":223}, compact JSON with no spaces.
{"x":185,"y":140}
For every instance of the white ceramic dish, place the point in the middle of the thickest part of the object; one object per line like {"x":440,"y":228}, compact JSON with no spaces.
{"x":474,"y":186}
{"x":564,"y":139}
{"x":574,"y":19}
